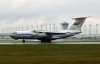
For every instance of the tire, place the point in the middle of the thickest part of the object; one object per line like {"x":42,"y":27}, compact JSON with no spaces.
{"x":46,"y":41}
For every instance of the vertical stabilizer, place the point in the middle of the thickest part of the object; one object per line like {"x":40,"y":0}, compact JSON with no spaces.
{"x":77,"y":24}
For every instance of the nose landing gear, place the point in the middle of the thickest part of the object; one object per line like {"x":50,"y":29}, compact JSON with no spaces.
{"x":23,"y":41}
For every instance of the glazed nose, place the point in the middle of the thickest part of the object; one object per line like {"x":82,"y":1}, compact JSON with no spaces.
{"x":12,"y":36}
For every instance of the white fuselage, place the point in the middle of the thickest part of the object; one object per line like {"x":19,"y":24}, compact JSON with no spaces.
{"x":47,"y":36}
{"x":43,"y":34}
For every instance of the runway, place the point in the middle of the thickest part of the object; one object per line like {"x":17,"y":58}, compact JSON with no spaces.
{"x":77,"y":43}
{"x":54,"y":42}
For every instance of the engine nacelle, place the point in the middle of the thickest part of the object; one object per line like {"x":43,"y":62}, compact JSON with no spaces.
{"x":34,"y":34}
{"x":42,"y":35}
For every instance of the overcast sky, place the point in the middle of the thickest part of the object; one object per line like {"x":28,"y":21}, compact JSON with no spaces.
{"x":30,"y":12}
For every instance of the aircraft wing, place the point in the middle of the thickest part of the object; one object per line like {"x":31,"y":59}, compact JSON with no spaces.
{"x":50,"y":32}
{"x":54,"y":35}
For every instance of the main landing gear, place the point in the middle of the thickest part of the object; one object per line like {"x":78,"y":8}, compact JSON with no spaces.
{"x":46,"y":41}
{"x":42,"y":41}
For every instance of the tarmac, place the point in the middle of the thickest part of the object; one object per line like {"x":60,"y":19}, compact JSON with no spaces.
{"x":53,"y":42}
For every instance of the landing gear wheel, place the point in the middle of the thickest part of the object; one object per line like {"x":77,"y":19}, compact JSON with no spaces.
{"x":23,"y":41}
{"x":46,"y":41}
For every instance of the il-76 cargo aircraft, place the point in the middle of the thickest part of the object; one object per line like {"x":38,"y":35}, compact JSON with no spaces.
{"x":48,"y":36}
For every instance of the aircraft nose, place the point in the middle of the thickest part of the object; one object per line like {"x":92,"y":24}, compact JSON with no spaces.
{"x":13,"y":36}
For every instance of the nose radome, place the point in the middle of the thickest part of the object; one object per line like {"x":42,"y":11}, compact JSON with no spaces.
{"x":12,"y":36}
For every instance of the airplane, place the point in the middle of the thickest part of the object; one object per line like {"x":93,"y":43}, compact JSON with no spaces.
{"x":48,"y":36}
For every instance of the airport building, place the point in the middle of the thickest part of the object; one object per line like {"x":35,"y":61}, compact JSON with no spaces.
{"x":65,"y":25}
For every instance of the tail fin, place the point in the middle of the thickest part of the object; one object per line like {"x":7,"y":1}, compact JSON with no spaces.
{"x":77,"y":23}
